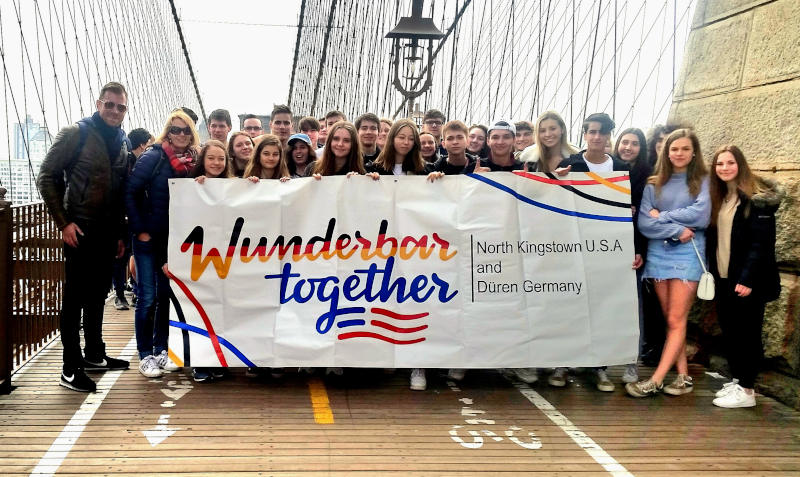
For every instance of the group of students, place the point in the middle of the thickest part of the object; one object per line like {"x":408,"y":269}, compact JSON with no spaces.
{"x":682,"y":214}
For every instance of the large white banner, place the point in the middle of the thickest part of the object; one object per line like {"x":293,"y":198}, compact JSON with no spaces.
{"x":473,"y":271}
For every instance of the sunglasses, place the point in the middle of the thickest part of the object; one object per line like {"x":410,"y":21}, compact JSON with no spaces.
{"x":111,"y":105}
{"x":187,"y":131}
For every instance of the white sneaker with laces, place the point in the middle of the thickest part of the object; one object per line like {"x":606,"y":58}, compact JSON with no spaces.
{"x":603,"y":383}
{"x":418,"y":381}
{"x":149,"y":368}
{"x":727,"y":387}
{"x":165,"y":363}
{"x":736,"y":397}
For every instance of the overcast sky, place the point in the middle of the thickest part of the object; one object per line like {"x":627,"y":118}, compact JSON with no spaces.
{"x":242,"y":62}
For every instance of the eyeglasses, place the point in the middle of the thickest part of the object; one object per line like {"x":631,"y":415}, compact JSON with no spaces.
{"x":187,"y":131}
{"x":111,"y":105}
{"x":433,"y":122}
{"x":253,"y":128}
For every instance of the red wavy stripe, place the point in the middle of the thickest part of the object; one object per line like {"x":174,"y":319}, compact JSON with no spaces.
{"x":211,"y":334}
{"x":397,"y":316}
{"x":367,"y":334}
{"x":397,"y":329}
{"x":547,"y":180}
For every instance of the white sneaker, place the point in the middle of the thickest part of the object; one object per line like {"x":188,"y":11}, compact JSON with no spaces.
{"x":631,"y":374}
{"x":603,"y":383}
{"x":149,"y":368}
{"x":558,"y":378}
{"x":165,"y":363}
{"x":526,"y":375}
{"x":456,"y":374}
{"x":726,"y":388}
{"x":418,"y":381}
{"x":736,"y":397}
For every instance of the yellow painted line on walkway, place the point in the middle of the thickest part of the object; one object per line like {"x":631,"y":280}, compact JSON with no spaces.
{"x":319,"y":402}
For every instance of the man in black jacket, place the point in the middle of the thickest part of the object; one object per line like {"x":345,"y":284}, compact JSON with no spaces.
{"x":81,"y":182}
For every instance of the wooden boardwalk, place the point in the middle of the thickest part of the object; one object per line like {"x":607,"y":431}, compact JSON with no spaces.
{"x":370,"y":423}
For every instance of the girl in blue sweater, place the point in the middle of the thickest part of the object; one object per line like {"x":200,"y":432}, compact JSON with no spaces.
{"x":674,"y":213}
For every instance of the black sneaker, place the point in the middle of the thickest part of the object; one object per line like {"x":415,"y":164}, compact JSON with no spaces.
{"x":105,"y":363}
{"x":201,"y":375}
{"x":120,"y":303}
{"x":77,"y":380}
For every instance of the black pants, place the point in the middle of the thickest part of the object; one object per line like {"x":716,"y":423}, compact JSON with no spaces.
{"x":88,"y":270}
{"x":120,"y":273}
{"x":654,"y":324}
{"x":741,"y":320}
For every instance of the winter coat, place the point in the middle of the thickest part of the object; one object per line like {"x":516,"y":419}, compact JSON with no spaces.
{"x":147,"y":194}
{"x":88,"y":187}
{"x":752,"y":255}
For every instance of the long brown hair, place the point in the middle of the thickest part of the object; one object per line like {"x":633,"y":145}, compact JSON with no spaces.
{"x":200,"y":168}
{"x":696,"y":171}
{"x":254,"y":167}
{"x":413,"y":161}
{"x":747,"y":183}
{"x":326,"y":165}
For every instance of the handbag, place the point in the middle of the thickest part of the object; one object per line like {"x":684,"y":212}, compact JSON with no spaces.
{"x":705,"y":288}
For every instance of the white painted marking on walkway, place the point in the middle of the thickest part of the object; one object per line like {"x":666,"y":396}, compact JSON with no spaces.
{"x":51,"y":461}
{"x":159,"y":433}
{"x":587,"y":444}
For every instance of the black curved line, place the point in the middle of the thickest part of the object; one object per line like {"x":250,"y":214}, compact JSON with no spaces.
{"x":185,"y":333}
{"x":589,"y":197}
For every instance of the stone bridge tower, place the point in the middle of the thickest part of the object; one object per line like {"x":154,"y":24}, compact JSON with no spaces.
{"x":740,"y":84}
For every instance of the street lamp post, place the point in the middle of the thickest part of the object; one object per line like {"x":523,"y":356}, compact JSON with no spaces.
{"x":413,"y":43}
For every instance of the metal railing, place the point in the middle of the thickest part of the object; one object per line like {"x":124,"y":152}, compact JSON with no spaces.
{"x":31,"y":283}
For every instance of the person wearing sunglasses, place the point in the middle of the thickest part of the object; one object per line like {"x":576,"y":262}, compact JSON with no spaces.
{"x":81,"y":181}
{"x":147,"y":204}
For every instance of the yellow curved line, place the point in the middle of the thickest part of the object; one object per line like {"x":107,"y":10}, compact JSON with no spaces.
{"x":608,"y":184}
{"x":175,"y":359}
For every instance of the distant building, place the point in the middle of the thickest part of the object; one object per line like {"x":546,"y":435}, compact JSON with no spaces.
{"x":18,"y":173}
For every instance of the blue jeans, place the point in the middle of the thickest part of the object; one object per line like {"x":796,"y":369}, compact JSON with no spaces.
{"x":152,"y":309}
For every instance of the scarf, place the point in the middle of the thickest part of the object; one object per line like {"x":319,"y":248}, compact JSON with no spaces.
{"x":112,"y":136}
{"x":182,"y":164}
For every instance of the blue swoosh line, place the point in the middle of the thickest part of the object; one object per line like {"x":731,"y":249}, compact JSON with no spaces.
{"x":222,"y":341}
{"x":548,"y":207}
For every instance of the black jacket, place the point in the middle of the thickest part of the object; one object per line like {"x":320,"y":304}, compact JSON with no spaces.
{"x":752,"y":261}
{"x":89,"y":187}
{"x":579,"y":165}
{"x":640,"y":171}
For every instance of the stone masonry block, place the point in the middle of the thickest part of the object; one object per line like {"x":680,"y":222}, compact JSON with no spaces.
{"x":773,"y":51}
{"x":781,"y":335}
{"x":714,"y":57}
{"x":763,"y":122}
{"x":716,"y":9}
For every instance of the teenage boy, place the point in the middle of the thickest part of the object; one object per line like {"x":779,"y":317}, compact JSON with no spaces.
{"x":597,"y":129}
{"x":310,"y":127}
{"x":219,"y":125}
{"x":280,"y":123}
{"x":454,"y":139}
{"x":252,"y":125}
{"x":92,"y":226}
{"x":367,"y":126}
{"x":432,"y":123}
{"x":501,"y":148}
{"x":524,"y":136}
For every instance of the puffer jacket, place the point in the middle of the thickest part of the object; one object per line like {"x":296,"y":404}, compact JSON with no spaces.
{"x":87,"y":188}
{"x":147,"y":194}
{"x":752,"y":260}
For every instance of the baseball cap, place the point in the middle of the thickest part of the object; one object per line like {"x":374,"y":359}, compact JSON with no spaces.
{"x":503,"y":124}
{"x":299,"y":137}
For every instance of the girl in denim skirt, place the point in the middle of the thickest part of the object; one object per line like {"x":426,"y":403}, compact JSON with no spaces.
{"x":674,"y":213}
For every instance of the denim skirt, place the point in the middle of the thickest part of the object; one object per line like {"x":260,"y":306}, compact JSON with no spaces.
{"x":668,"y":259}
